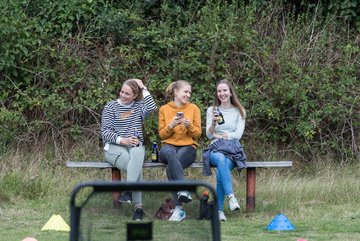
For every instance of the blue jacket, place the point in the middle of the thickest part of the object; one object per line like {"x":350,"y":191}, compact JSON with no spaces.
{"x":232,"y":149}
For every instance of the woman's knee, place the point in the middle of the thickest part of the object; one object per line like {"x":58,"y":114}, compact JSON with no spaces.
{"x":166,"y":153}
{"x":187,"y":156}
{"x":120,"y":160}
{"x":217,"y":158}
{"x":137,"y":152}
{"x":229,"y":163}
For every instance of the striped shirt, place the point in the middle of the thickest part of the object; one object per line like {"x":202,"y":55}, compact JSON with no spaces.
{"x":119,"y":121}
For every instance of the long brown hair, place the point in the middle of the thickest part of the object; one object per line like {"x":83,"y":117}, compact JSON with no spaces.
{"x":176,"y":85}
{"x":233,"y":99}
{"x":135,"y":89}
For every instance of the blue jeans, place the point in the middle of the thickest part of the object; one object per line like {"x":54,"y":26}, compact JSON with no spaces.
{"x":223,"y":176}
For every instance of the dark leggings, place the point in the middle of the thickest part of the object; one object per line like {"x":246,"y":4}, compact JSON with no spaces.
{"x":177,"y":159}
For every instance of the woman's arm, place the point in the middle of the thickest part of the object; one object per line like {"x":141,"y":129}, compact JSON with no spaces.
{"x":210,"y":124}
{"x":239,"y":129}
{"x":194,"y":129}
{"x":107,"y":125}
{"x":164,"y":130}
{"x":149,"y":103}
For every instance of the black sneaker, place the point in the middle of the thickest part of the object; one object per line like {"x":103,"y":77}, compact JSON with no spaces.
{"x":138,"y":214}
{"x":126,"y":197}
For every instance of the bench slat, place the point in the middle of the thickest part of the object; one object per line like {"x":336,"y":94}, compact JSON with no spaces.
{"x":102,"y":164}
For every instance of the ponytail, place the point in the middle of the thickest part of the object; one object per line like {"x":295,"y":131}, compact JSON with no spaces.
{"x":169,"y":92}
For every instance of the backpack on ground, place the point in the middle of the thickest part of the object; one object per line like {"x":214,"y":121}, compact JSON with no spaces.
{"x":164,"y":212}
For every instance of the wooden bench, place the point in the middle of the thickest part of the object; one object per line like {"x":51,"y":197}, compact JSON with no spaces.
{"x":250,"y":174}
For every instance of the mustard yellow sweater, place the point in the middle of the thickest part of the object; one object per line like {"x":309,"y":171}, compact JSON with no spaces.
{"x":180,"y":135}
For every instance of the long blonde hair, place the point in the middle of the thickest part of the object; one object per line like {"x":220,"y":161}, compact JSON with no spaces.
{"x":176,"y":85}
{"x":234,"y":99}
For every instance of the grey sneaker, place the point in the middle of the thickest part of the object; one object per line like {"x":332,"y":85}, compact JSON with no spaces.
{"x":178,"y":214}
{"x":222,"y":216}
{"x":184,"y":196}
{"x":233,"y":204}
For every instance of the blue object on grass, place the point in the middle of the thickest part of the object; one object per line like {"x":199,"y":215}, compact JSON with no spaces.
{"x":280,"y":223}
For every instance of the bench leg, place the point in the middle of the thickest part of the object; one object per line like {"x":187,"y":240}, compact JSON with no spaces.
{"x":250,"y":188}
{"x":116,"y":176}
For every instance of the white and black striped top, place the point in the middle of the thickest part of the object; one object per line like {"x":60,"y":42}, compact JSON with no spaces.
{"x":119,"y":120}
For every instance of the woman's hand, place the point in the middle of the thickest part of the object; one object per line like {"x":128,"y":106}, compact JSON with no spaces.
{"x":140,"y":83}
{"x":130,"y":141}
{"x":215,"y":117}
{"x":176,"y":121}
{"x":185,"y":122}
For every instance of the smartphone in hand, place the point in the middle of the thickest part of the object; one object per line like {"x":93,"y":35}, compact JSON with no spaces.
{"x":179,"y":115}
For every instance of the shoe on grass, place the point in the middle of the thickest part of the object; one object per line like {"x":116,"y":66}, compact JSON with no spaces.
{"x":178,"y":214}
{"x":138,"y":214}
{"x":184,"y":196}
{"x":222,"y":216}
{"x":233,"y":204}
{"x":126,"y":197}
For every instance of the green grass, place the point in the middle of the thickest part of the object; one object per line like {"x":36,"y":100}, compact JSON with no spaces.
{"x":320,"y":199}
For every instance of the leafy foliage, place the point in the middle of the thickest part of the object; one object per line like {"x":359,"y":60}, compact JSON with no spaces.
{"x":295,"y":66}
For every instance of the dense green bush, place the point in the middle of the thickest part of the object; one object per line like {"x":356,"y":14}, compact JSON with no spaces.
{"x":295,"y":67}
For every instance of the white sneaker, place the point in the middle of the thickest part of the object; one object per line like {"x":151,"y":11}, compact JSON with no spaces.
{"x":184,"y":196}
{"x":222,"y":216}
{"x":233,"y":204}
{"x":178,"y":214}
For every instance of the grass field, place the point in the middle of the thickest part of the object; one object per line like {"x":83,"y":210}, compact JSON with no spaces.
{"x":320,"y":199}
